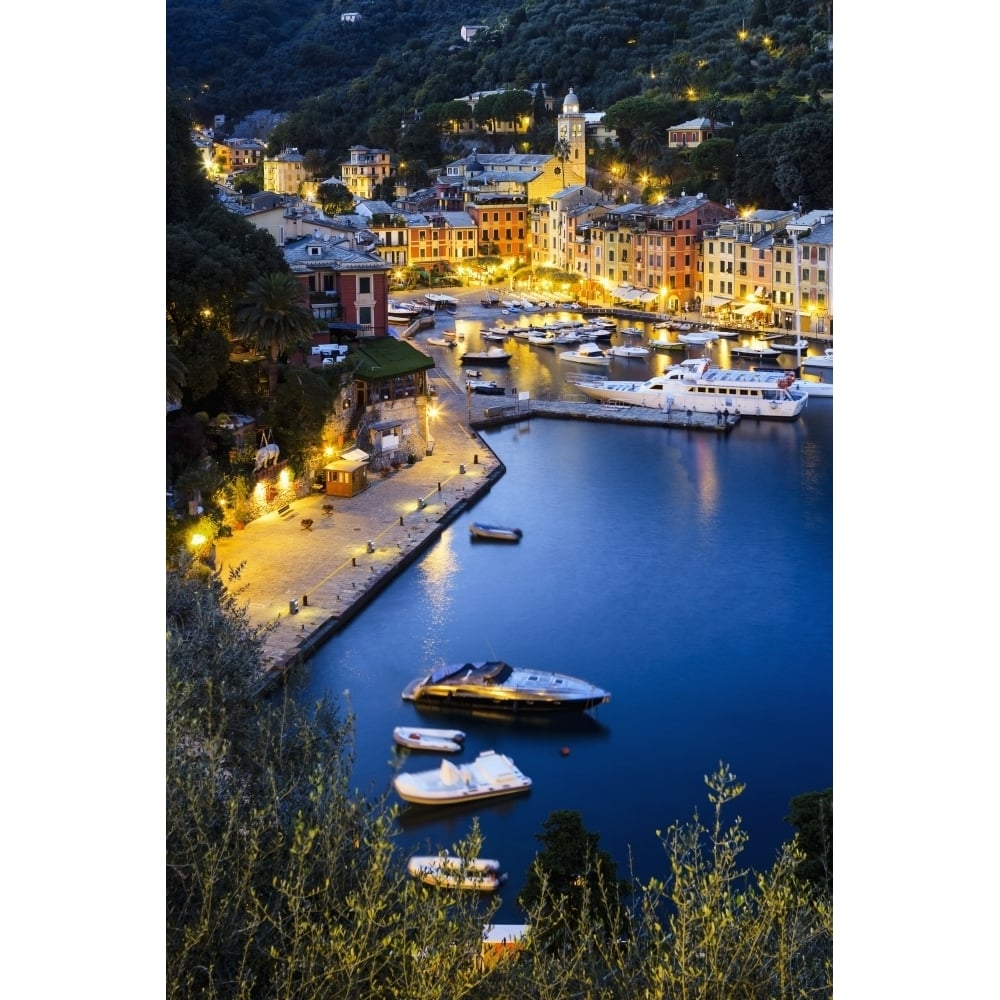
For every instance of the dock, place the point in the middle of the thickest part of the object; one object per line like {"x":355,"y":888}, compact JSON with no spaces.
{"x":509,"y":412}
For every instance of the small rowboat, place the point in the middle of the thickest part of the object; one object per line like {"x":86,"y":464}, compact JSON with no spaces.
{"x":420,"y":738}
{"x":495,"y":532}
{"x":450,"y":872}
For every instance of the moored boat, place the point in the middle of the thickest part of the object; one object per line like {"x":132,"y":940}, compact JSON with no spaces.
{"x":490,"y":775}
{"x":452,"y":872}
{"x":586,"y":354}
{"x":694,"y":385}
{"x":404,"y":313}
{"x":495,"y":532}
{"x":422,"y":738}
{"x":698,"y":337}
{"x":796,"y":346}
{"x":491,"y":356}
{"x":485,"y":387}
{"x":810,"y":388}
{"x":824,"y":360}
{"x":494,"y":684}
{"x":753,"y":351}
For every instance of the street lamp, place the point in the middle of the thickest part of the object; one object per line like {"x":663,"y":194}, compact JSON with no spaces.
{"x":430,"y":412}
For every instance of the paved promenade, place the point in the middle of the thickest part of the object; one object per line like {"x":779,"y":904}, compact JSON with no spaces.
{"x":330,"y":569}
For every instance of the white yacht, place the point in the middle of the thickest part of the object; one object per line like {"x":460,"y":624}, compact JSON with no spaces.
{"x":694,"y":385}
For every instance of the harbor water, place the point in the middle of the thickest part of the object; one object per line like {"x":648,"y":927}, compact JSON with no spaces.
{"x":690,"y":574}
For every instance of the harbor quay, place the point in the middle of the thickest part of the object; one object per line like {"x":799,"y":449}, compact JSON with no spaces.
{"x":307,"y":570}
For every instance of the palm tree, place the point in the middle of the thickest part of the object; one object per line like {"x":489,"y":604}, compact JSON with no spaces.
{"x":274,"y":319}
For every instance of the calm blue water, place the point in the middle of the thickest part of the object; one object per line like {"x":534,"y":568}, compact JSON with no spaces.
{"x":688,"y":573}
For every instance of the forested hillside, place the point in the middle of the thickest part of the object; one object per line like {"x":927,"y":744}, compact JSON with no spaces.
{"x":234,"y":56}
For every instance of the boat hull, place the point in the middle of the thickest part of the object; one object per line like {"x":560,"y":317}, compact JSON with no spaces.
{"x":495,"y":686}
{"x":495,"y":533}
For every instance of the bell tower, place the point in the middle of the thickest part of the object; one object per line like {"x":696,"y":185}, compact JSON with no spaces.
{"x":572,"y":137}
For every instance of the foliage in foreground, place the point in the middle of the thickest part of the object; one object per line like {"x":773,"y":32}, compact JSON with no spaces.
{"x":282,"y":881}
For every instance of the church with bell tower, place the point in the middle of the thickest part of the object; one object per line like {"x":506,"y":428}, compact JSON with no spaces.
{"x":571,"y":139}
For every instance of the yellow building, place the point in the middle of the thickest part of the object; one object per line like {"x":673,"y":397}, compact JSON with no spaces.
{"x":285,"y":173}
{"x":365,"y":170}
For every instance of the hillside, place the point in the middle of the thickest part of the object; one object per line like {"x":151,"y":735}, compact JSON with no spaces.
{"x":234,"y":56}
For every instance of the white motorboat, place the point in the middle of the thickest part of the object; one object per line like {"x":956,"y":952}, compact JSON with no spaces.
{"x":824,"y":360}
{"x":628,"y":351}
{"x":814,"y":388}
{"x":404,"y":313}
{"x":422,"y":738}
{"x":439,"y":342}
{"x":451,"y":872}
{"x":694,"y":385}
{"x":495,"y":684}
{"x":567,"y":337}
{"x":698,"y":337}
{"x":663,"y":344}
{"x":753,"y":351}
{"x":489,"y":776}
{"x":607,"y":322}
{"x":494,"y":532}
{"x":544,"y":338}
{"x":782,"y":347}
{"x":586,"y":354}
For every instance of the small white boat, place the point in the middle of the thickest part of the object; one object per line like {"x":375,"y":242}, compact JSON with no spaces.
{"x":451,"y":872}
{"x":628,"y":351}
{"x":662,"y":344}
{"x":495,"y":532}
{"x":586,"y":354}
{"x":545,"y":338}
{"x":606,"y":321}
{"x":785,"y":348}
{"x":422,"y":738}
{"x":439,"y":342}
{"x":824,"y":360}
{"x":490,"y":775}
{"x":698,"y":337}
{"x":814,"y":388}
{"x":754,"y":351}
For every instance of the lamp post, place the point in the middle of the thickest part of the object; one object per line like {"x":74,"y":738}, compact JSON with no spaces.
{"x":429,"y":411}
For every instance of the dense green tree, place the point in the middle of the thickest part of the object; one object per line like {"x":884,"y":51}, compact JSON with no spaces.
{"x":335,"y":199}
{"x":571,"y":881}
{"x":304,"y":401}
{"x":189,"y":191}
{"x":812,"y":815}
{"x":275,"y":319}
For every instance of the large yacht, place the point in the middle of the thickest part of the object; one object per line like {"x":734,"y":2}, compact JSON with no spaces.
{"x":495,"y":684}
{"x":695,"y":385}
